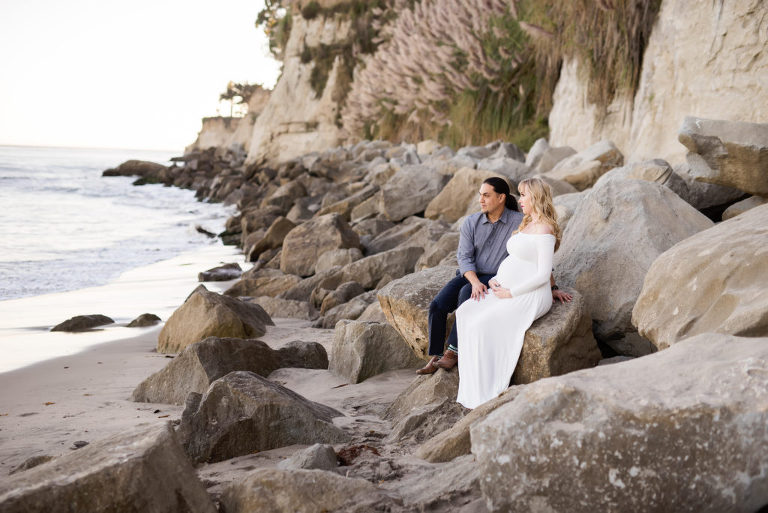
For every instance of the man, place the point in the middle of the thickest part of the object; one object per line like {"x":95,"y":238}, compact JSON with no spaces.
{"x":482,"y":246}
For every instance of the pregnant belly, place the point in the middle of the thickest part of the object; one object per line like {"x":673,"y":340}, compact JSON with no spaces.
{"x":513,"y":271}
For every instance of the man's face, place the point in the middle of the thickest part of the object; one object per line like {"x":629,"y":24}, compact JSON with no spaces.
{"x":490,"y":200}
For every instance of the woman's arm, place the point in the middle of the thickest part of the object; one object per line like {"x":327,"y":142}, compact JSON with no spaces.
{"x":545,"y":251}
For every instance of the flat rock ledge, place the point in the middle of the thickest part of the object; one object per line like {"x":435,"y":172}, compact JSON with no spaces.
{"x":146,"y":465}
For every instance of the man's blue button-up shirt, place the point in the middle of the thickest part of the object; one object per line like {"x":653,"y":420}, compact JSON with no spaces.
{"x":482,"y":244}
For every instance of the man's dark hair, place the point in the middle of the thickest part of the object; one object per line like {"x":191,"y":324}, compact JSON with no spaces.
{"x":501,"y":186}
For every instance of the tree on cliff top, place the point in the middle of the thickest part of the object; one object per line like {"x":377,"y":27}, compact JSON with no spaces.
{"x":241,"y":92}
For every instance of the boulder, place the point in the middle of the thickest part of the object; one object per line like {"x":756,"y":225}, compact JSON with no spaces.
{"x":144,"y":320}
{"x":302,"y":491}
{"x":302,"y":291}
{"x":345,"y":292}
{"x":394,"y":236}
{"x":455,"y":441}
{"x":393,"y":263}
{"x":207,"y":314}
{"x":286,"y":308}
{"x":83,"y":323}
{"x":364,"y":349}
{"x":373,"y":312}
{"x":461,"y":191}
{"x":409,"y":191}
{"x":317,"y":456}
{"x":427,"y":147}
{"x":367,"y":209}
{"x":446,"y":245}
{"x":424,"y":390}
{"x":656,"y":170}
{"x":713,"y":281}
{"x":558,"y":342}
{"x":424,"y":422}
{"x":263,"y":282}
{"x":350,"y":310}
{"x":224,"y":272}
{"x":730,"y":153}
{"x":143,"y":469}
{"x":542,"y":157}
{"x":371,"y":228}
{"x":345,"y":205}
{"x":202,"y":363}
{"x":273,"y":237}
{"x":406,"y":304}
{"x":557,"y":187}
{"x":285,"y":195}
{"x":335,"y":257}
{"x":243,"y":412}
{"x":742,"y":206}
{"x":513,"y":170}
{"x":584,"y":168}
{"x":565,"y":206}
{"x":633,"y":437}
{"x":254,"y":219}
{"x":614,"y":236}
{"x":141,"y":168}
{"x":305,"y":243}
{"x":702,"y":195}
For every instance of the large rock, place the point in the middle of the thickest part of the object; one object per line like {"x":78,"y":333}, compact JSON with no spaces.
{"x":83,"y":323}
{"x":656,"y":170}
{"x":584,"y":168}
{"x":409,"y":191}
{"x":394,"y":236}
{"x":263,"y":282}
{"x":364,"y":349}
{"x":317,"y":456}
{"x":703,"y":195}
{"x":287,"y":308}
{"x":542,"y":157}
{"x":224,"y":272}
{"x":559,"y":342}
{"x":305,"y":243}
{"x":350,"y":310}
{"x":406,"y":304}
{"x":302,"y":491}
{"x":434,"y":253}
{"x":742,"y":206}
{"x":713,"y":281}
{"x":431,"y":389}
{"x":461,"y":191}
{"x":207,"y":314}
{"x":615,"y":234}
{"x":273,"y":238}
{"x":340,"y":257}
{"x":682,"y":429}
{"x":513,"y":170}
{"x":202,"y":363}
{"x":565,"y":205}
{"x":243,"y":412}
{"x":141,"y":168}
{"x":730,"y":153}
{"x":140,"y":470}
{"x":394,"y":264}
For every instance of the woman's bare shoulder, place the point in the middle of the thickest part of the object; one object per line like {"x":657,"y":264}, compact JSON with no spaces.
{"x":540,"y":228}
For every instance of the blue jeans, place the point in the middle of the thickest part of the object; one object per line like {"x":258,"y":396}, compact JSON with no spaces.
{"x":447,"y":300}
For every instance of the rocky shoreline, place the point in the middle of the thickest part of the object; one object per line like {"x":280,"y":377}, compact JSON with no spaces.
{"x":643,"y":393}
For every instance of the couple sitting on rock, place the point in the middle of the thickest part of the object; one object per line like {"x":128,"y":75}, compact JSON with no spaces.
{"x":505,"y":267}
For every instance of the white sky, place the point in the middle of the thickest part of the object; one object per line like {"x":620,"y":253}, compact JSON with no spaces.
{"x":139,"y":74}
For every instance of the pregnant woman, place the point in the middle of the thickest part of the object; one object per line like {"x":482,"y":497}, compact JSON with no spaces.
{"x":491,"y":330}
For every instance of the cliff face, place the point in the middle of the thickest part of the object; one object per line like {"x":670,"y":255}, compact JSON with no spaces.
{"x":708,"y":59}
{"x":296,"y":121}
{"x":230,"y":132}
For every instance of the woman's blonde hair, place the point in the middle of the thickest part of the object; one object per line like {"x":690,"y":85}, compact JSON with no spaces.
{"x":540,"y":201}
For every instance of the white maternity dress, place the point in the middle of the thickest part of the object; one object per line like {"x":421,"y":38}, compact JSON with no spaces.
{"x":491,"y":330}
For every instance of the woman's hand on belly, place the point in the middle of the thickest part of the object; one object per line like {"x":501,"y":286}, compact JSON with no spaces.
{"x":499,"y":291}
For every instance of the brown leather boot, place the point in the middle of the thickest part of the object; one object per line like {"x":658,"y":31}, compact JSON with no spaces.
{"x":430,"y":367}
{"x":449,"y":360}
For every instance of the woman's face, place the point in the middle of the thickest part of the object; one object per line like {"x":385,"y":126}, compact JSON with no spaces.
{"x":524,"y":200}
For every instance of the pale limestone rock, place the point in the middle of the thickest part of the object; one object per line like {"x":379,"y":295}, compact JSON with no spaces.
{"x":273,"y":237}
{"x":730,"y":153}
{"x":346,"y":205}
{"x":394,"y":263}
{"x":242,"y":412}
{"x":557,"y":187}
{"x":278,"y":307}
{"x":364,"y":349}
{"x":584,"y":168}
{"x":742,"y":206}
{"x":263,"y":282}
{"x":305,"y":243}
{"x":317,"y":456}
{"x":301,"y":491}
{"x":461,"y":191}
{"x":409,"y":191}
{"x":406,"y":304}
{"x":427,"y":147}
{"x":395,"y":236}
{"x":708,"y":60}
{"x":345,"y":292}
{"x":336,"y":257}
{"x":425,"y":390}
{"x":373,"y":313}
{"x":350,"y":310}
{"x":702,"y":195}
{"x":713,"y":281}
{"x":435,"y":253}
{"x":424,"y":422}
{"x":202,"y":363}
{"x":613,"y":237}
{"x":509,"y":168}
{"x":633,"y":437}
{"x":140,"y":470}
{"x":542,"y":157}
{"x":207,"y":314}
{"x":566,"y":205}
{"x":656,"y":170}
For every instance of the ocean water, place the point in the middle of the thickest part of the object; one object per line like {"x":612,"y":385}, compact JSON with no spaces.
{"x":65,"y":227}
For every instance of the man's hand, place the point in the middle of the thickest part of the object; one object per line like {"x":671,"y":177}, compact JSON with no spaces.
{"x":479,"y":290}
{"x":562,"y":296}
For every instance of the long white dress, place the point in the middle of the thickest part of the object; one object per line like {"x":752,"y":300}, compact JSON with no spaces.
{"x":491,"y":331}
